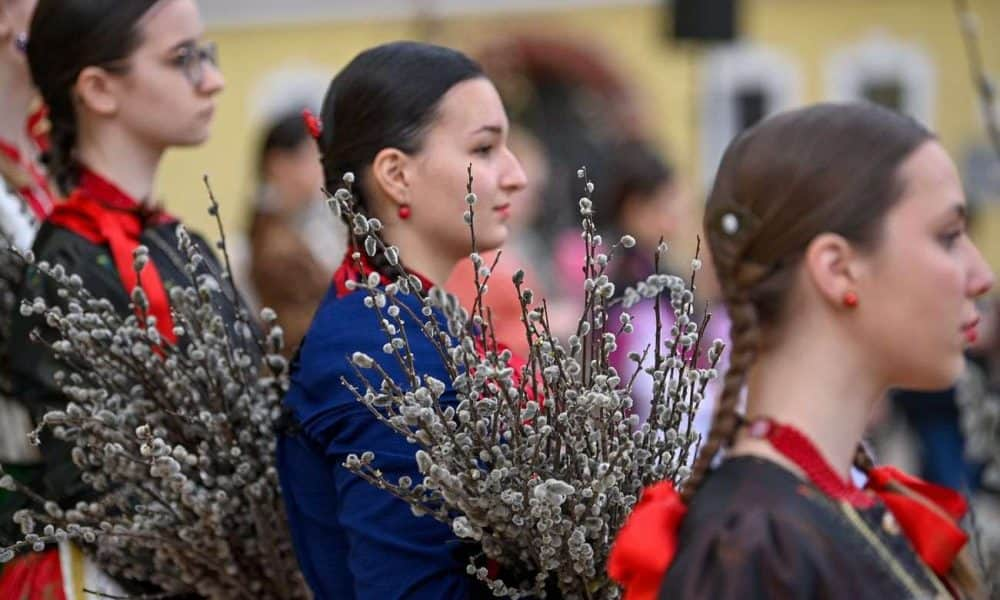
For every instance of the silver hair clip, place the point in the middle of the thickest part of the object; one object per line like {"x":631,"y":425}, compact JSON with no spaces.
{"x":730,"y":223}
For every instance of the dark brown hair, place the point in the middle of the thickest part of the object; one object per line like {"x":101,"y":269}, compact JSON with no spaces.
{"x":386,"y":97}
{"x":825,"y":168}
{"x":637,"y":171}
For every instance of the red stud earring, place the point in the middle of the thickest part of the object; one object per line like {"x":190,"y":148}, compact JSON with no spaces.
{"x":404,"y":212}
{"x":850,"y":299}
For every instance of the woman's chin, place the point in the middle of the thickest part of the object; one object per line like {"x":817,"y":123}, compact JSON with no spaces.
{"x":493,"y":238}
{"x":943,"y":377}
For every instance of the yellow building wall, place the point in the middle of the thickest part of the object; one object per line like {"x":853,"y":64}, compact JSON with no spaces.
{"x":663,"y":73}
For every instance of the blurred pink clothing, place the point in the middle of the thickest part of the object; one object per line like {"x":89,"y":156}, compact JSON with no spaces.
{"x":501,"y":296}
{"x":644,"y":334}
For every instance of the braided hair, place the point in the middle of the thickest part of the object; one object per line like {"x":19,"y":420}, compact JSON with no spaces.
{"x":825,"y":168}
{"x":65,"y":37}
{"x":386,"y":97}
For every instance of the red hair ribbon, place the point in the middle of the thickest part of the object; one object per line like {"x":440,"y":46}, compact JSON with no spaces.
{"x":646,"y":544}
{"x":313,"y":123}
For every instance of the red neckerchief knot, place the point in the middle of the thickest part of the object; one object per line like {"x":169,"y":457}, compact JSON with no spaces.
{"x":102,"y":213}
{"x":927,"y":515}
{"x":647,"y":542}
{"x":358,"y":269}
{"x":929,"y":519}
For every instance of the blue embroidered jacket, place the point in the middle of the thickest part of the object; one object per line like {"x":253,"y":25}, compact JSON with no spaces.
{"x":354,"y":541}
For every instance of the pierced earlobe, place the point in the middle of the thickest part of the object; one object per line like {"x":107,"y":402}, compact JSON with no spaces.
{"x":21,"y":42}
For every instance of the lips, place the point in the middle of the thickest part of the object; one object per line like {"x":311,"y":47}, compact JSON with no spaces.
{"x":503,"y":209}
{"x":969,"y":330}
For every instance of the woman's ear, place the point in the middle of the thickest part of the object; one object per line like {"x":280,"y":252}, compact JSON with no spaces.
{"x":388,"y":173}
{"x":832,"y":267}
{"x":96,"y":92}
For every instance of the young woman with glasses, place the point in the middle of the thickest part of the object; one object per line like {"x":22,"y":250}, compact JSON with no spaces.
{"x":123,"y":82}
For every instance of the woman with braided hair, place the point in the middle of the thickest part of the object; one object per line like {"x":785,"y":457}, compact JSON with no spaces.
{"x":405,"y":120}
{"x":838,"y":232}
{"x":123,"y":83}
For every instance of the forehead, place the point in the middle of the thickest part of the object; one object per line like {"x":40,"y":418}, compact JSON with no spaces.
{"x":171,"y":22}
{"x":469,"y":105}
{"x":931,"y":185}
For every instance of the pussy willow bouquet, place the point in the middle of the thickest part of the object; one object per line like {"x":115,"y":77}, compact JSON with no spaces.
{"x":176,"y":441}
{"x":538,"y":463}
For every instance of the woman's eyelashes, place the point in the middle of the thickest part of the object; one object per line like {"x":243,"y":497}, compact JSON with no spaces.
{"x":484,"y":150}
{"x":951,"y":237}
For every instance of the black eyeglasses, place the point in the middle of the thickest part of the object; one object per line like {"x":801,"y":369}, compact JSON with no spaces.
{"x":191,"y":61}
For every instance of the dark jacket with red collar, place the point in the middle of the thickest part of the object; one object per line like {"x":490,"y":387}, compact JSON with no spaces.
{"x":33,"y":366}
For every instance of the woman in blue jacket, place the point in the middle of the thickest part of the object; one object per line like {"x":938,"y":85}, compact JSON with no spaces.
{"x":407,"y":120}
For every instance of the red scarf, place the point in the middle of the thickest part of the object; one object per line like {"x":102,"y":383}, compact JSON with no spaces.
{"x":646,"y":544}
{"x":37,"y":193}
{"x":358,"y":270}
{"x":33,"y":576}
{"x":103,"y":214}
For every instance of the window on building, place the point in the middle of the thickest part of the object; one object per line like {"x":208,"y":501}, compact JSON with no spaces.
{"x":887,"y":93}
{"x":751,"y":107}
{"x":742,"y":83}
{"x":894,"y":73}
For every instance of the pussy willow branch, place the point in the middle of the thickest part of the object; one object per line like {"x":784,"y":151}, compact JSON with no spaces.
{"x":985,"y":87}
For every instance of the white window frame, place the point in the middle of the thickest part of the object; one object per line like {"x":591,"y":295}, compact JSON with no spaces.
{"x":881,"y":57}
{"x":725,"y":72}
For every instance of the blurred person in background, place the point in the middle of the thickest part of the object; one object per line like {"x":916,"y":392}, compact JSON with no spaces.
{"x":642,"y":198}
{"x":645,"y":198}
{"x":295,"y":242}
{"x":123,"y":83}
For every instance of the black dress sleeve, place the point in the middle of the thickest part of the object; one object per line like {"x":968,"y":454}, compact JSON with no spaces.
{"x":754,"y":554}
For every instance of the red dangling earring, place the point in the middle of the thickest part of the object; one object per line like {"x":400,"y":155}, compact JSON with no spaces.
{"x":850,"y":299}
{"x":404,"y":212}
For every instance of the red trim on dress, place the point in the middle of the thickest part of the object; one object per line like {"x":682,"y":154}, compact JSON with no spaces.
{"x":34,"y":576}
{"x":647,"y":542}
